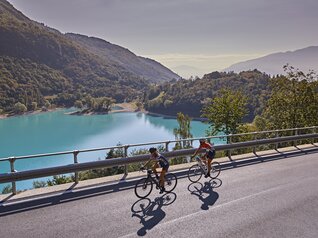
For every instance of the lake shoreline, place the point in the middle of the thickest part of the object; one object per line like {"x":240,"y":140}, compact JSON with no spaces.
{"x":5,"y":116}
{"x":124,"y":107}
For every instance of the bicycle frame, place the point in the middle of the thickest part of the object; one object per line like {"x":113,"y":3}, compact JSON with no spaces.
{"x":202,"y":163}
{"x":143,"y":183}
{"x":155,"y":180}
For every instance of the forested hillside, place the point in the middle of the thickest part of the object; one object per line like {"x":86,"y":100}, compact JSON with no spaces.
{"x":110,"y":53}
{"x":189,"y":96}
{"x":38,"y":61}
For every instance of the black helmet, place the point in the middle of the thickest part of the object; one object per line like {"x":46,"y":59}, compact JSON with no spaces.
{"x":152,"y":149}
{"x":202,"y":140}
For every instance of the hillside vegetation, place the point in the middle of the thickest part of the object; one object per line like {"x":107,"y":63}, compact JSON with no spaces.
{"x":189,"y":96}
{"x":38,"y":61}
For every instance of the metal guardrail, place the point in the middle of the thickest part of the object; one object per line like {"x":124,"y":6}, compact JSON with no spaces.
{"x":14,"y":175}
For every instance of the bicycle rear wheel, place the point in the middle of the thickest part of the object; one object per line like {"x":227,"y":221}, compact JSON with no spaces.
{"x":194,"y":173}
{"x":143,"y":187}
{"x":215,"y":169}
{"x":170,"y":182}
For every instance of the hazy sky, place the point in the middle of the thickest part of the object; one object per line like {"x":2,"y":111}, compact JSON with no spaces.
{"x":192,"y":37}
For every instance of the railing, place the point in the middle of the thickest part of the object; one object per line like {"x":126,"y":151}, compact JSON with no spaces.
{"x":13,"y":176}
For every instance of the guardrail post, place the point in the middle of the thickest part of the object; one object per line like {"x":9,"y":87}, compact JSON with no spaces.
{"x":75,"y":153}
{"x":254,"y":138}
{"x":230,"y":151}
{"x":313,"y":132}
{"x":125,"y":155}
{"x":167,"y":146}
{"x":276,"y":144}
{"x":295,"y":141}
{"x":14,"y":186}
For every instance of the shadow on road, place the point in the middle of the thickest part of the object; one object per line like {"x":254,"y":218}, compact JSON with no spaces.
{"x":150,"y":212}
{"x":268,"y":157}
{"x":205,"y":192}
{"x":66,"y":196}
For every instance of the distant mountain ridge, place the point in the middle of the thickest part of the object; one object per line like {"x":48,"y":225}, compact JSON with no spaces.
{"x":111,"y":53}
{"x":305,"y":59}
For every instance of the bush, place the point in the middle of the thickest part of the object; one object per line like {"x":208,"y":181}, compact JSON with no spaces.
{"x":39,"y":184}
{"x":7,"y":189}
{"x":20,"y":108}
{"x":59,"y":179}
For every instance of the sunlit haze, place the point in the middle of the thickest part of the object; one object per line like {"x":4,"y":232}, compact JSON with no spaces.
{"x":191,"y":37}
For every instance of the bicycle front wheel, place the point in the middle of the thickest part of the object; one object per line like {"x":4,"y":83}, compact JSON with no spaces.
{"x":170,"y":182}
{"x":215,"y":169}
{"x":143,"y":187}
{"x":194,"y":173}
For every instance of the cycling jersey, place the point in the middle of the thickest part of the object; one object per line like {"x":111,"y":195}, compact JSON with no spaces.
{"x":206,"y":145}
{"x":210,"y":149}
{"x":163,"y":162}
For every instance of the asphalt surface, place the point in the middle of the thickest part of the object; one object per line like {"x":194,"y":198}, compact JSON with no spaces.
{"x":278,"y":198}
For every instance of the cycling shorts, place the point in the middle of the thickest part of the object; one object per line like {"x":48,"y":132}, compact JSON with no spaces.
{"x":210,"y":154}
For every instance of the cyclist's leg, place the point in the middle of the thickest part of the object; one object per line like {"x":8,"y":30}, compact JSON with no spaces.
{"x":209,"y":165}
{"x":154,"y":169}
{"x":204,"y":158}
{"x":162,"y":177}
{"x":210,"y":157}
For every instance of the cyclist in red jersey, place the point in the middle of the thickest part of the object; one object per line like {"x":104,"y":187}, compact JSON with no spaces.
{"x":210,"y":153}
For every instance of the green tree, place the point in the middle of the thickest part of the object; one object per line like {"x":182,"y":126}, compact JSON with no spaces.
{"x":34,"y":106}
{"x":78,"y":104}
{"x":225,"y":112}
{"x":183,"y":130}
{"x":293,"y":102}
{"x":139,"y":105}
{"x":89,"y":101}
{"x":103,"y":104}
{"x":47,"y":104}
{"x":20,"y":108}
{"x":260,"y":123}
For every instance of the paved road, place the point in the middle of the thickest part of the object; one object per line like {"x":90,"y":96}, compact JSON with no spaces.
{"x":270,"y":199}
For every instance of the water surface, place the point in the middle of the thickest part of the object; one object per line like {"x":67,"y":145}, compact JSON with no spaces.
{"x":56,"y":131}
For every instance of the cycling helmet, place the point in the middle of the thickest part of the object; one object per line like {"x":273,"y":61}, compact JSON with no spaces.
{"x":152,"y":149}
{"x":202,"y":140}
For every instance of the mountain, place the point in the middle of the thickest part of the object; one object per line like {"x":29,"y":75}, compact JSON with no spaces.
{"x":38,"y":62}
{"x":114,"y":54}
{"x":304,"y":59}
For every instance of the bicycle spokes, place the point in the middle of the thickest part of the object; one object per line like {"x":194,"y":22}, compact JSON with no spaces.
{"x":143,"y":188}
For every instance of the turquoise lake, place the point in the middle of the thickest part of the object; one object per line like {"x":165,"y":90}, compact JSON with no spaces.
{"x":56,"y":131}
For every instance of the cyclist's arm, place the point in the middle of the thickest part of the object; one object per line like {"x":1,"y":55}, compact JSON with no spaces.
{"x":147,"y":163}
{"x":155,"y":165}
{"x":196,"y":152}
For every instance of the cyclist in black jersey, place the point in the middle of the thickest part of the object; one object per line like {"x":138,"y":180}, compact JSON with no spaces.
{"x":159,"y":161}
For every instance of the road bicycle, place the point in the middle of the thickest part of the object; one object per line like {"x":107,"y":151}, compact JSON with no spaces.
{"x":144,"y":186}
{"x":197,"y":170}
